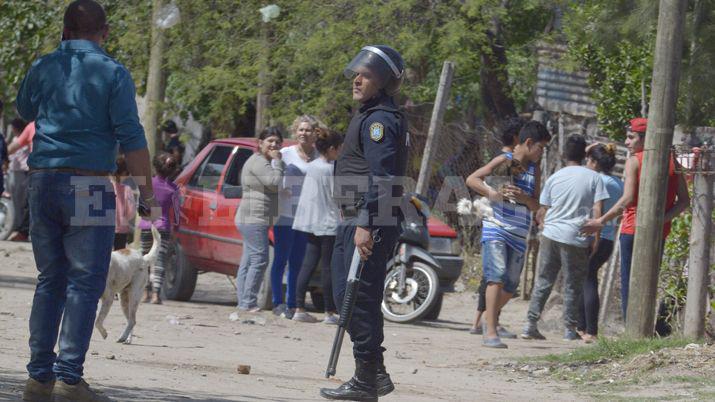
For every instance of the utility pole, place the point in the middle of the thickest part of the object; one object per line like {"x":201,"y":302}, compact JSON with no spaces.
{"x":648,"y":245}
{"x":699,"y":259}
{"x":155,"y":83}
{"x":435,"y":126}
{"x":263,"y":97}
{"x":264,"y":83}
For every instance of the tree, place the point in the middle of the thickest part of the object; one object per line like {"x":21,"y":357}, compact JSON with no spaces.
{"x":29,"y":28}
{"x":614,"y":39}
{"x":212,"y":56}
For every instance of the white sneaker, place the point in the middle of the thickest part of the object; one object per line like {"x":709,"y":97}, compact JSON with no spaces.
{"x":304,"y":317}
{"x":331,"y":319}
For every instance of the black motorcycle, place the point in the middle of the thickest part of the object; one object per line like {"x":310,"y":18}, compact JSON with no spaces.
{"x":412,"y":286}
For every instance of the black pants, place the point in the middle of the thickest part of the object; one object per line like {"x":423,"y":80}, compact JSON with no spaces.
{"x":366,"y":326}
{"x":482,"y":295}
{"x":318,"y":250}
{"x":588,"y":321}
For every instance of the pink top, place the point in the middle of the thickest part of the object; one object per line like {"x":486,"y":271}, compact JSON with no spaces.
{"x":126,"y":208}
{"x":27,"y":135}
{"x":18,"y":160}
{"x":167,"y":196}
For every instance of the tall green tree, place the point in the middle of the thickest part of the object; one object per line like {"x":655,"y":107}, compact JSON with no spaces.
{"x":28,"y":28}
{"x":614,"y":39}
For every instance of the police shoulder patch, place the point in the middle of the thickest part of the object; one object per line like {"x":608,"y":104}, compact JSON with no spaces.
{"x":377,"y":131}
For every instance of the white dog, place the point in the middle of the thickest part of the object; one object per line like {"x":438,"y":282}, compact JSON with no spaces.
{"x":127,"y":276}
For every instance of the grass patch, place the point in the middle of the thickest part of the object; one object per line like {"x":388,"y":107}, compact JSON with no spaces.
{"x":705,"y":396}
{"x":690,"y":379}
{"x":614,"y":349}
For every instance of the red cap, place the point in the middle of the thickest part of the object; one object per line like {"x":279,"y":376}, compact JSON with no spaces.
{"x":638,"y":125}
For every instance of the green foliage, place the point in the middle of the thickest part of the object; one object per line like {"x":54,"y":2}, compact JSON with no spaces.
{"x":28,"y":28}
{"x":214,"y":55}
{"x":617,"y":81}
{"x":312,"y":41}
{"x":672,"y":283}
{"x":129,"y":33}
{"x":618,"y":56}
{"x":614,"y":39}
{"x":614,"y":349}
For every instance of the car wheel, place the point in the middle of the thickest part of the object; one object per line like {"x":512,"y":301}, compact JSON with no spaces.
{"x":265,"y":295}
{"x":179,"y":275}
{"x":7,"y":217}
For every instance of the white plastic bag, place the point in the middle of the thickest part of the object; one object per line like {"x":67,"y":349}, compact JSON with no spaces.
{"x":169,"y":16}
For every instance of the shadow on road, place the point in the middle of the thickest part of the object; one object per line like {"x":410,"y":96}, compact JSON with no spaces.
{"x":12,"y":281}
{"x":13,"y":382}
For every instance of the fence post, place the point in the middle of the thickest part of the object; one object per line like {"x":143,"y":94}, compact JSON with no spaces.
{"x":699,"y":261}
{"x":435,"y":126}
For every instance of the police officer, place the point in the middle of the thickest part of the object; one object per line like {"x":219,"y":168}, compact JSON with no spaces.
{"x":368,"y":176}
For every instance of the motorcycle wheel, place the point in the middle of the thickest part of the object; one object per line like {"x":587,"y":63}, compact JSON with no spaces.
{"x":418,"y":298}
{"x":7,"y":216}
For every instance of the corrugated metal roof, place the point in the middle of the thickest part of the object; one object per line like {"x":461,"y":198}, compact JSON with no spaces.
{"x":558,"y":90}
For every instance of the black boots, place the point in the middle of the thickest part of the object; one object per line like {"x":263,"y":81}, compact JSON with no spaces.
{"x":383,"y":383}
{"x":362,"y":387}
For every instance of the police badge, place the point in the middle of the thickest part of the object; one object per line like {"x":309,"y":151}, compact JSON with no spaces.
{"x":377,"y":131}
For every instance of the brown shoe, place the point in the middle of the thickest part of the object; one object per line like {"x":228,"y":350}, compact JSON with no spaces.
{"x":147,"y":296}
{"x":36,"y":391}
{"x":155,"y":298}
{"x":79,"y":392}
{"x":18,"y":237}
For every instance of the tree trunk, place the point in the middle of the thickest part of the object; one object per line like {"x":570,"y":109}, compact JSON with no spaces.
{"x":494,"y":78}
{"x":647,"y":249}
{"x":264,"y":83}
{"x":155,"y":83}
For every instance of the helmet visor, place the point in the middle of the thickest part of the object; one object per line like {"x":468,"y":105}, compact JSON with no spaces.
{"x":370,"y":65}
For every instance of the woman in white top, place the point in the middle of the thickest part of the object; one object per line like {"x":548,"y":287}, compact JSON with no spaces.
{"x":318,"y":216}
{"x":289,"y":245}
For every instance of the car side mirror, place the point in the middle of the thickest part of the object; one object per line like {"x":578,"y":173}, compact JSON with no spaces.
{"x":230,"y":191}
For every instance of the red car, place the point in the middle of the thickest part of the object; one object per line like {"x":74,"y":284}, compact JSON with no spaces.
{"x":208,"y":240}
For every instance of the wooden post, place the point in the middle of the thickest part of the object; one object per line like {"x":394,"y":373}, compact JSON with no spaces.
{"x":562,"y":142}
{"x":608,"y":281}
{"x":435,"y":126}
{"x":264,"y":84}
{"x":155,"y":81}
{"x":648,"y":242}
{"x":699,"y":266}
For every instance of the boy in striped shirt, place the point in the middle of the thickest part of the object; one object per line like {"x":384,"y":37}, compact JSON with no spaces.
{"x":504,"y":236}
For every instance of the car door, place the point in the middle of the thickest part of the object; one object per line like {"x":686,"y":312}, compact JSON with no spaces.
{"x":198,"y":205}
{"x":227,"y":240}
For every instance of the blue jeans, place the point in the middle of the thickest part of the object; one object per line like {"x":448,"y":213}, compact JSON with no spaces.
{"x":502,"y":264}
{"x":72,"y":231}
{"x":289,"y":246}
{"x":254,"y":261}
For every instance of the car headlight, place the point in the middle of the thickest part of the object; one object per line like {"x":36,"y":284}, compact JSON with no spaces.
{"x":444,"y":245}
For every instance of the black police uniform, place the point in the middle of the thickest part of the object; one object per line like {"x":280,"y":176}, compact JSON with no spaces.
{"x":368,"y":176}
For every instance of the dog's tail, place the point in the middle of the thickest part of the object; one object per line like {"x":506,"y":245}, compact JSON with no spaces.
{"x":150,"y":257}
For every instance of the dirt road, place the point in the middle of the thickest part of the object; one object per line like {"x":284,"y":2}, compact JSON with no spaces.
{"x":190,"y":351}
